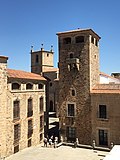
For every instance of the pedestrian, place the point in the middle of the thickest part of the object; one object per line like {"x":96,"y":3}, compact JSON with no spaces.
{"x":50,"y":142}
{"x":45,"y":142}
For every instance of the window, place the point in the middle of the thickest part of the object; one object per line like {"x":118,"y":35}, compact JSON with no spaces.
{"x":30,"y":108}
{"x":29,"y":86}
{"x":71,"y":110}
{"x":67,"y":40}
{"x":103,"y":137}
{"x":96,"y":42}
{"x":73,"y":92}
{"x":71,"y":55}
{"x":41,"y":104}
{"x":40,"y":86}
{"x":102,"y":111}
{"x":92,"y":40}
{"x":15,"y":86}
{"x":50,"y":84}
{"x":16,"y":132}
{"x":16,"y":149}
{"x":16,"y":110}
{"x":30,"y":128}
{"x":79,"y":39}
{"x":71,"y":133}
{"x":37,"y":59}
{"x":41,"y":121}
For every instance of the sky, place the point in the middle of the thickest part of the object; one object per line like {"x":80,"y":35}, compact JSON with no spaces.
{"x":26,"y":23}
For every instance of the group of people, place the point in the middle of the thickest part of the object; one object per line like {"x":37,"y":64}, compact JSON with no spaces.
{"x":52,"y":141}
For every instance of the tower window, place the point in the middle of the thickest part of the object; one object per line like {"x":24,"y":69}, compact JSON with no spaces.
{"x":102,"y":111}
{"x":96,"y":42}
{"x":67,"y":40}
{"x":71,"y":110}
{"x":71,"y":55}
{"x":92,"y":40}
{"x":73,"y":92}
{"x":79,"y":39}
{"x":37,"y":59}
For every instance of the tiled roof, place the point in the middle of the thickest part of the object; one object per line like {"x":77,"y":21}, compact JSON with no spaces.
{"x":50,"y":69}
{"x":106,"y":88}
{"x":23,"y":75}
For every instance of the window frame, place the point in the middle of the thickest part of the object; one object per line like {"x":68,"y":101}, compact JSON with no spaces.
{"x":70,"y":111}
{"x":102,"y":111}
{"x":16,"y":110}
{"x":29,"y":107}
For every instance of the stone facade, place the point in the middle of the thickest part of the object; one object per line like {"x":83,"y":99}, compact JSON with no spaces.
{"x":78,"y":71}
{"x":11,"y":140}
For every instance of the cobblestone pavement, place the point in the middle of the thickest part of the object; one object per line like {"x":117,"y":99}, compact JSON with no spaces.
{"x":60,"y":153}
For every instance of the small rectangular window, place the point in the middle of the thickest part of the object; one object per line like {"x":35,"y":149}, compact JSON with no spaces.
{"x":30,"y":108}
{"x":71,"y":110}
{"x":16,"y":132}
{"x":16,"y":110}
{"x":30,"y":128}
{"x":102,"y":111}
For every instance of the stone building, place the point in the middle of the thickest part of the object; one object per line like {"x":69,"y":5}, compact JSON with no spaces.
{"x":89,"y":100}
{"x":22,"y":107}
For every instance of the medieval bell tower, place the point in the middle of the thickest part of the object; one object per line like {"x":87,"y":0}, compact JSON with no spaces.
{"x":41,"y":60}
{"x":78,"y":73}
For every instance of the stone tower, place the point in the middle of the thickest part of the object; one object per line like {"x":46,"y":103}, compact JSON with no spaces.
{"x":78,"y":73}
{"x":3,"y":104}
{"x":41,"y":60}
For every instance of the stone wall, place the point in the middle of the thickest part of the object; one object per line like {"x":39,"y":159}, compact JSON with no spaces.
{"x":80,"y":80}
{"x":111,"y":122}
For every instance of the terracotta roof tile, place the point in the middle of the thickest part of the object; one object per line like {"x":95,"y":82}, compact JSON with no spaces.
{"x":106,"y":88}
{"x":23,"y":75}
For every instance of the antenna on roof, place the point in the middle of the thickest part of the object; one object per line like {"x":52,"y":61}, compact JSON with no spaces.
{"x":51,"y":48}
{"x":42,"y":47}
{"x":31,"y":48}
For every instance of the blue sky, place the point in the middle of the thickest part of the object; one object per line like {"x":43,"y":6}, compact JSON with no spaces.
{"x":32,"y":22}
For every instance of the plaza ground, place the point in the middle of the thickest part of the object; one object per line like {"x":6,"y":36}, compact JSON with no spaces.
{"x":61,"y":153}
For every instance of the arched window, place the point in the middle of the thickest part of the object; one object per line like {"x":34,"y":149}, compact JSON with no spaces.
{"x":37,"y":59}
{"x":71,"y":55}
{"x":79,"y":39}
{"x":67,"y":40}
{"x":29,"y":86}
{"x":15,"y":86}
{"x":40,"y":86}
{"x":73,"y":92}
